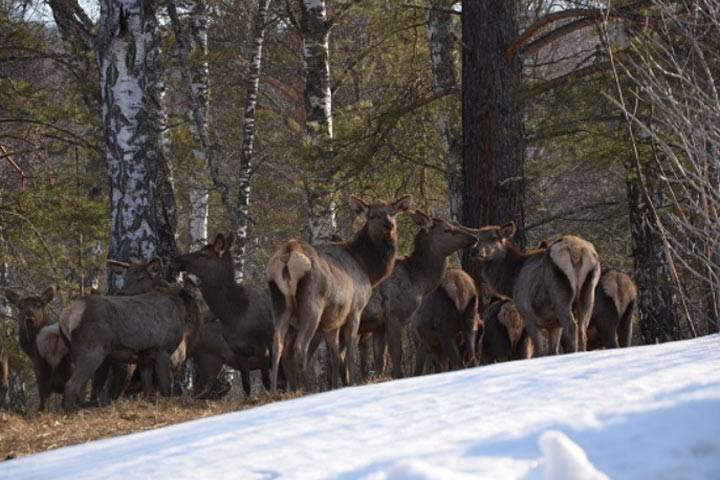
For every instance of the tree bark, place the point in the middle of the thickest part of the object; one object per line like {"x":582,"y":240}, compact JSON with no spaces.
{"x":657,"y":302}
{"x":493,"y":152}
{"x":199,"y":194}
{"x":442,"y":49}
{"x":246,"y":155}
{"x":314,"y":30}
{"x":142,"y":201}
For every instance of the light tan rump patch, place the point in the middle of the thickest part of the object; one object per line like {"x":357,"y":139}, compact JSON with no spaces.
{"x":509,"y":317}
{"x":71,"y":316}
{"x":459,"y":286}
{"x":575,"y":257}
{"x":288,"y":266}
{"x":50,"y":345}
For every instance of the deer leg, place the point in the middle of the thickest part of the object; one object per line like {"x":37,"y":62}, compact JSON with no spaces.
{"x":43,"y":373}
{"x":394,"y":337}
{"x":534,"y":333}
{"x":146,"y":378}
{"x":265,"y":371}
{"x":309,"y":316}
{"x":450,"y":349}
{"x":243,"y":363}
{"x":332,"y":339}
{"x":420,"y":356}
{"x":608,"y":336}
{"x":380,"y":348}
{"x":555,"y":337}
{"x":162,"y":371}
{"x":282,"y":324}
{"x":364,"y":349}
{"x":350,"y":332}
{"x":625,"y":327}
{"x":85,"y":367}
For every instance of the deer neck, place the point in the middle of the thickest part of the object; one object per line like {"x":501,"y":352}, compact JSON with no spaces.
{"x":425,"y":266}
{"x":502,"y":271}
{"x":221,"y":291}
{"x":375,"y":258}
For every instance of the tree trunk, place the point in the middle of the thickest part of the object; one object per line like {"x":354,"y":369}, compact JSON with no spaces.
{"x":442,"y":49}
{"x":142,"y":201}
{"x":199,"y":194}
{"x":314,"y":29}
{"x":246,"y":155}
{"x":657,"y":302}
{"x":493,"y":153}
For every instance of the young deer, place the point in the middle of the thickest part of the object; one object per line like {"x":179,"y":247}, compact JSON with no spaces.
{"x":553,"y":288}
{"x":245,"y":312}
{"x":324,"y":289}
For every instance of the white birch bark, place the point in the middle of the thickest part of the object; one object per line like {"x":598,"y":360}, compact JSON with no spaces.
{"x":314,"y":29}
{"x":441,"y":46}
{"x":142,"y":202}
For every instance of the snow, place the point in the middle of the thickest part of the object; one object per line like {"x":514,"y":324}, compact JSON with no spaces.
{"x":649,"y":412}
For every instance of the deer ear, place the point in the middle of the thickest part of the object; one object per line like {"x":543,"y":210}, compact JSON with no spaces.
{"x":403,"y":204}
{"x":507,"y":231}
{"x":154,"y":267}
{"x":421,"y":219}
{"x":357,"y":205}
{"x":12,"y":297}
{"x":220,"y":244}
{"x":542,"y":245}
{"x":118,"y":267}
{"x":47,"y":295}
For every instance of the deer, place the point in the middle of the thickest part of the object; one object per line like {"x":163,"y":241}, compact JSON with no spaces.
{"x":40,"y":340}
{"x":395,"y":299}
{"x":615,"y":303}
{"x":324,"y":289}
{"x":143,"y":329}
{"x":144,"y":277}
{"x":553,"y":288}
{"x":244,"y":312}
{"x":445,"y":325}
{"x":503,"y":335}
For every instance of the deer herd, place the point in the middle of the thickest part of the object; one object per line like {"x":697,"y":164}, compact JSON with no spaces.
{"x":354,"y":295}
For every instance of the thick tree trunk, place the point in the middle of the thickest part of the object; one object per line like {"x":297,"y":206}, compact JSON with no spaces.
{"x":314,"y":29}
{"x":442,"y":59}
{"x":246,"y":155}
{"x":199,"y":194}
{"x":142,"y":201}
{"x":657,"y":302}
{"x":493,"y":153}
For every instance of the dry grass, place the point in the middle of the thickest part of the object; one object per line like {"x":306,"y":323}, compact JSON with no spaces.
{"x":22,"y":436}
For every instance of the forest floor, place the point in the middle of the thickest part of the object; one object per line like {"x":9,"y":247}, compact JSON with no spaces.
{"x":20,"y":436}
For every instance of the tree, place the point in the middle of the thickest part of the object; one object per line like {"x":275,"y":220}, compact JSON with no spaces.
{"x":493,"y":150}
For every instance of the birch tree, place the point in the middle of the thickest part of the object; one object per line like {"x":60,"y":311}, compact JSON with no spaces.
{"x":441,"y":44}
{"x":315,"y":30}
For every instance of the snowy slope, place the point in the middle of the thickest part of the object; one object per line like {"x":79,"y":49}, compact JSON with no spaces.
{"x":642,"y":413}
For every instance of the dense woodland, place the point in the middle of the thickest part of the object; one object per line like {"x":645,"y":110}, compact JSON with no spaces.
{"x":258,"y":117}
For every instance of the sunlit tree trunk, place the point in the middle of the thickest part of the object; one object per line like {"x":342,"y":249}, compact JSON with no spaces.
{"x":314,"y":30}
{"x":493,"y":153}
{"x":142,"y":202}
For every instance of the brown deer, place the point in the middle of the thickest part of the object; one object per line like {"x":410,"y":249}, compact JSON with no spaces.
{"x":244,"y":312}
{"x":553,"y":288}
{"x":144,"y":329}
{"x":40,"y":340}
{"x":503,"y":331}
{"x":397,"y":297}
{"x":325,"y":288}
{"x":446,"y":319}
{"x":615,"y":302}
{"x":144,"y":277}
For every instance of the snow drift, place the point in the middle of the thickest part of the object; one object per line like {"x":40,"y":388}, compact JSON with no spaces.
{"x":648,"y":412}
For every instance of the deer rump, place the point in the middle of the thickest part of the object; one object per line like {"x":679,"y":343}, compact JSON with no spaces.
{"x":126,"y":327}
{"x":568,"y":269}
